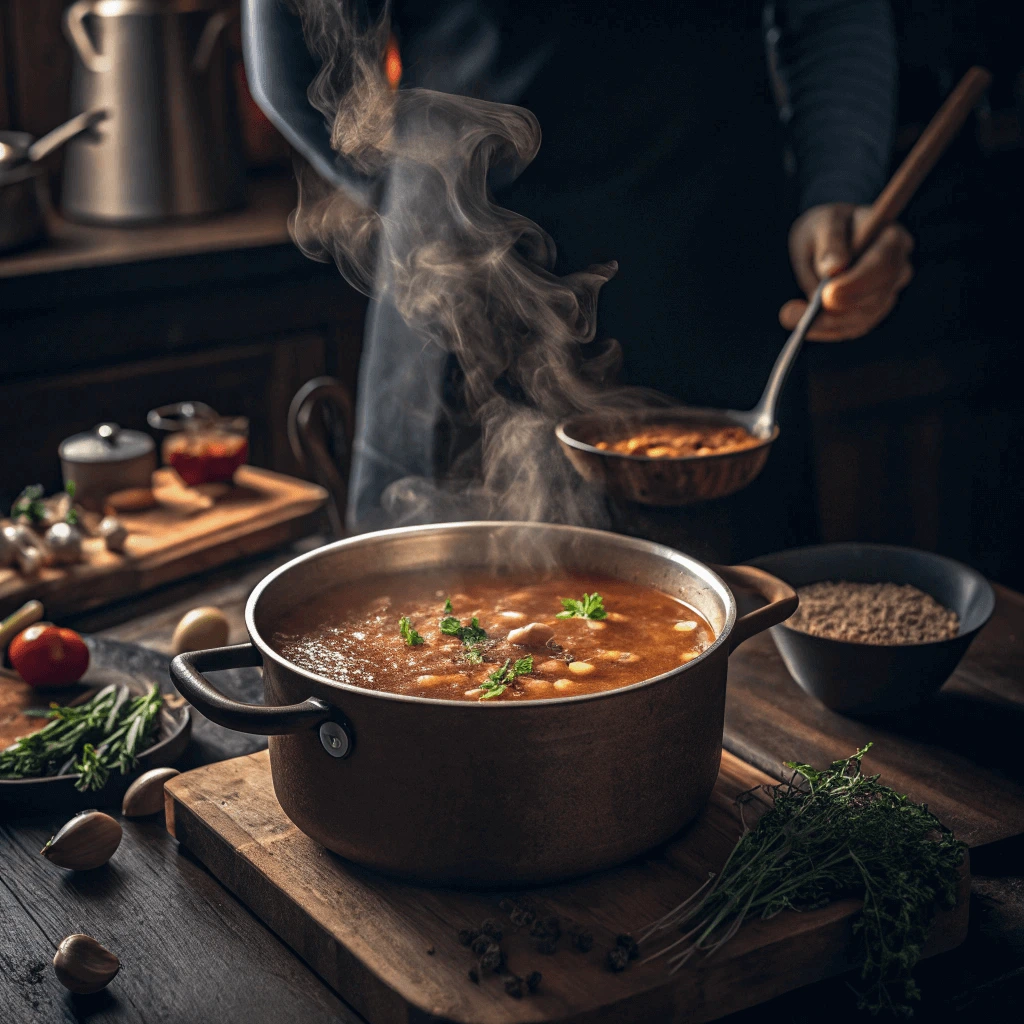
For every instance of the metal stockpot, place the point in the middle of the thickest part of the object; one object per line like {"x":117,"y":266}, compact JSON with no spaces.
{"x":169,"y":146}
{"x":482,"y":794}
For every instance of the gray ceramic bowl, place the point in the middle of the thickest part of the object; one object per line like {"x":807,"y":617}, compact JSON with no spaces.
{"x":873,"y":679}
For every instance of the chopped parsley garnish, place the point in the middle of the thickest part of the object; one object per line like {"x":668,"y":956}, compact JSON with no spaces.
{"x":591,"y":607}
{"x":501,"y":678}
{"x":473,"y":656}
{"x":447,"y":606}
{"x":471,"y":634}
{"x":409,"y":635}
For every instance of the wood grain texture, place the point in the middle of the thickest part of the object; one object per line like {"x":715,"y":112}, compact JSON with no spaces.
{"x":960,"y":755}
{"x":261,"y":511}
{"x":369,"y":936}
{"x":189,"y":952}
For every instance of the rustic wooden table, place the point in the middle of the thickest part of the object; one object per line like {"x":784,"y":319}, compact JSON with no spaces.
{"x":192,"y":953}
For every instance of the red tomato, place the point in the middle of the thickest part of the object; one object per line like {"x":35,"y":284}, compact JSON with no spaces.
{"x":47,"y":655}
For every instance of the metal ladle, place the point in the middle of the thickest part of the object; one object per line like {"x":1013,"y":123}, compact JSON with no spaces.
{"x":685,"y":480}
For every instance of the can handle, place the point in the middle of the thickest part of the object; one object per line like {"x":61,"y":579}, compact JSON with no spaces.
{"x":81,"y":41}
{"x":781,"y":598}
{"x":187,"y":675}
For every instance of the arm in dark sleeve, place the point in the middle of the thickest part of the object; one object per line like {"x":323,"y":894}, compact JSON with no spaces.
{"x":836,"y":64}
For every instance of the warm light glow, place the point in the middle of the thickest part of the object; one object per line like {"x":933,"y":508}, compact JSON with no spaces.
{"x":392,"y":62}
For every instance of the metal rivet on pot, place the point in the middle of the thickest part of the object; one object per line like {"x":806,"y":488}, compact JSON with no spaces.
{"x":335,"y":739}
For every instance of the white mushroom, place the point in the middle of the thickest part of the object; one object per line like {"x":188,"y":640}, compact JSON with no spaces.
{"x":113,"y":532}
{"x":65,"y":543}
{"x":533,"y":634}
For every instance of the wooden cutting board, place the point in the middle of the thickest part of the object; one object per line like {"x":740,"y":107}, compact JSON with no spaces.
{"x":959,"y":755}
{"x":259,"y":511}
{"x":391,"y":949}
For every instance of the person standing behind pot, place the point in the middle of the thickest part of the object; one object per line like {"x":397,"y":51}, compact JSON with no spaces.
{"x":663,"y":149}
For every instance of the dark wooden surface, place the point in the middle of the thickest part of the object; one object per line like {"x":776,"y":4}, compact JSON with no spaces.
{"x":368,"y":935}
{"x":197,"y":954}
{"x":959,"y":755}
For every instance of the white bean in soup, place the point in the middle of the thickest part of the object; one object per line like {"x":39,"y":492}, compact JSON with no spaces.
{"x":495,"y":638}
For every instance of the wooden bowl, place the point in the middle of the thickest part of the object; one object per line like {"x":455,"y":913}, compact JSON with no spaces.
{"x":665,"y":482}
{"x":110,"y":662}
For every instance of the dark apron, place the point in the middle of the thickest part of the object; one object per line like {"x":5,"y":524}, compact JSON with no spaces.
{"x":662,"y":150}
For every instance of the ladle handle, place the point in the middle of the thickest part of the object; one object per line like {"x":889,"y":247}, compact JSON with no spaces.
{"x":939,"y":133}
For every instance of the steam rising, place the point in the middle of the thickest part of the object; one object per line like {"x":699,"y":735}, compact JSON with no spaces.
{"x":465,"y":274}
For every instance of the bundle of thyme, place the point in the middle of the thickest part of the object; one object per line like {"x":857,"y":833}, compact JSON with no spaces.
{"x":832,"y":834}
{"x":89,"y":740}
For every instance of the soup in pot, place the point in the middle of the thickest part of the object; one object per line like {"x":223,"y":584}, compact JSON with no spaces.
{"x":492,"y":638}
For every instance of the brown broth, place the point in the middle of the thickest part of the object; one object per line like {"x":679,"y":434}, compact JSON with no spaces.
{"x":355,"y":638}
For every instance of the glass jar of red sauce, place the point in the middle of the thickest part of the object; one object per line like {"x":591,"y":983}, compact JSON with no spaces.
{"x":202,"y":446}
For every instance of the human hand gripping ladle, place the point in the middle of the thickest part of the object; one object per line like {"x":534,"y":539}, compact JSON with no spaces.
{"x":941,"y":130}
{"x":683,"y":480}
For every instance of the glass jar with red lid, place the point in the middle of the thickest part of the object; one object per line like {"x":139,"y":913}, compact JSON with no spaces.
{"x":202,"y":446}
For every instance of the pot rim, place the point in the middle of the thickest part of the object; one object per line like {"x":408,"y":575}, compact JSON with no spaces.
{"x":698,"y":568}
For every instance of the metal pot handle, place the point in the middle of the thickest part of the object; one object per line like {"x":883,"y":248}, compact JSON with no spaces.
{"x":781,"y":598}
{"x":215,"y":24}
{"x":187,"y":674}
{"x":74,"y":29}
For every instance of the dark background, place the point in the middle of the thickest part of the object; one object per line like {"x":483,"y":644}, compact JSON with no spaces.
{"x":916,"y":430}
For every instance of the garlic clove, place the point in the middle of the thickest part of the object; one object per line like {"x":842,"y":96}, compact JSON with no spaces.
{"x":145,"y":795}
{"x":65,"y":543}
{"x":83,"y":966}
{"x":87,"y":841}
{"x":199,"y":629}
{"x":113,"y":532}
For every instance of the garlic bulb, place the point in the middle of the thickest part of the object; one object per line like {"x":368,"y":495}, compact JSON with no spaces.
{"x":199,"y":629}
{"x":30,"y":551}
{"x":87,"y":841}
{"x":83,"y":966}
{"x":146,"y":794}
{"x":65,"y":543}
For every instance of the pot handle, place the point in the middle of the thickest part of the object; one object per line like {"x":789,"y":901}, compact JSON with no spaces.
{"x":187,"y":674}
{"x":80,"y":39}
{"x":781,"y":597}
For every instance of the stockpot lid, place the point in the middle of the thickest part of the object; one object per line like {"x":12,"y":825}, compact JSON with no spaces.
{"x":106,"y":442}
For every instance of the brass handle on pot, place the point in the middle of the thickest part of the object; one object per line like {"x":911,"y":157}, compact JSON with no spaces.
{"x":187,"y":674}
{"x":781,"y":598}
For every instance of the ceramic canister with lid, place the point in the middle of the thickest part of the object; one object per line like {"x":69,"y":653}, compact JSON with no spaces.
{"x":106,"y":459}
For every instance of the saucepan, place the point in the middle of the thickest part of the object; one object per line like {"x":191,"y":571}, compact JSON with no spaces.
{"x":686,"y":479}
{"x":23,"y":196}
{"x":475,"y":794}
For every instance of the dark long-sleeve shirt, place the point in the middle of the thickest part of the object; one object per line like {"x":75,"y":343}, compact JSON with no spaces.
{"x":836,"y":64}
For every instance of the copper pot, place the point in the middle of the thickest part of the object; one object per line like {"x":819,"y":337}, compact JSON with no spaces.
{"x":476,"y":794}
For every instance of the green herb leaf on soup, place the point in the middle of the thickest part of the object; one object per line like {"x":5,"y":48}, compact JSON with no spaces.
{"x":501,"y":678}
{"x":409,"y":635}
{"x":591,"y":607}
{"x":448,"y":606}
{"x":471,"y":634}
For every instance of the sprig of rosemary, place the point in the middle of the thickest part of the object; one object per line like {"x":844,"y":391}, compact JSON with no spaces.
{"x":591,"y":607}
{"x":501,"y":678}
{"x":90,"y":740}
{"x":832,"y":834}
{"x":409,"y":635}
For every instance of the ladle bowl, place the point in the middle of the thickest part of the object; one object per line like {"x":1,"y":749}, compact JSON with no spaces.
{"x":680,"y":480}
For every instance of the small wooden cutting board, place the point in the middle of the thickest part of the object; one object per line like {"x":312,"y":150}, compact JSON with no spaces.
{"x":260,"y":510}
{"x":392,"y":950}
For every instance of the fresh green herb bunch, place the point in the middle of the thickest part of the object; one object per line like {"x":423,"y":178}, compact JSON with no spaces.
{"x":89,"y":740}
{"x":30,"y":504}
{"x":828,"y":835}
{"x":591,"y":607}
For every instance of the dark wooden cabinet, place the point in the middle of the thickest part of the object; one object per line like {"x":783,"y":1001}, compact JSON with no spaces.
{"x":105,"y":324}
